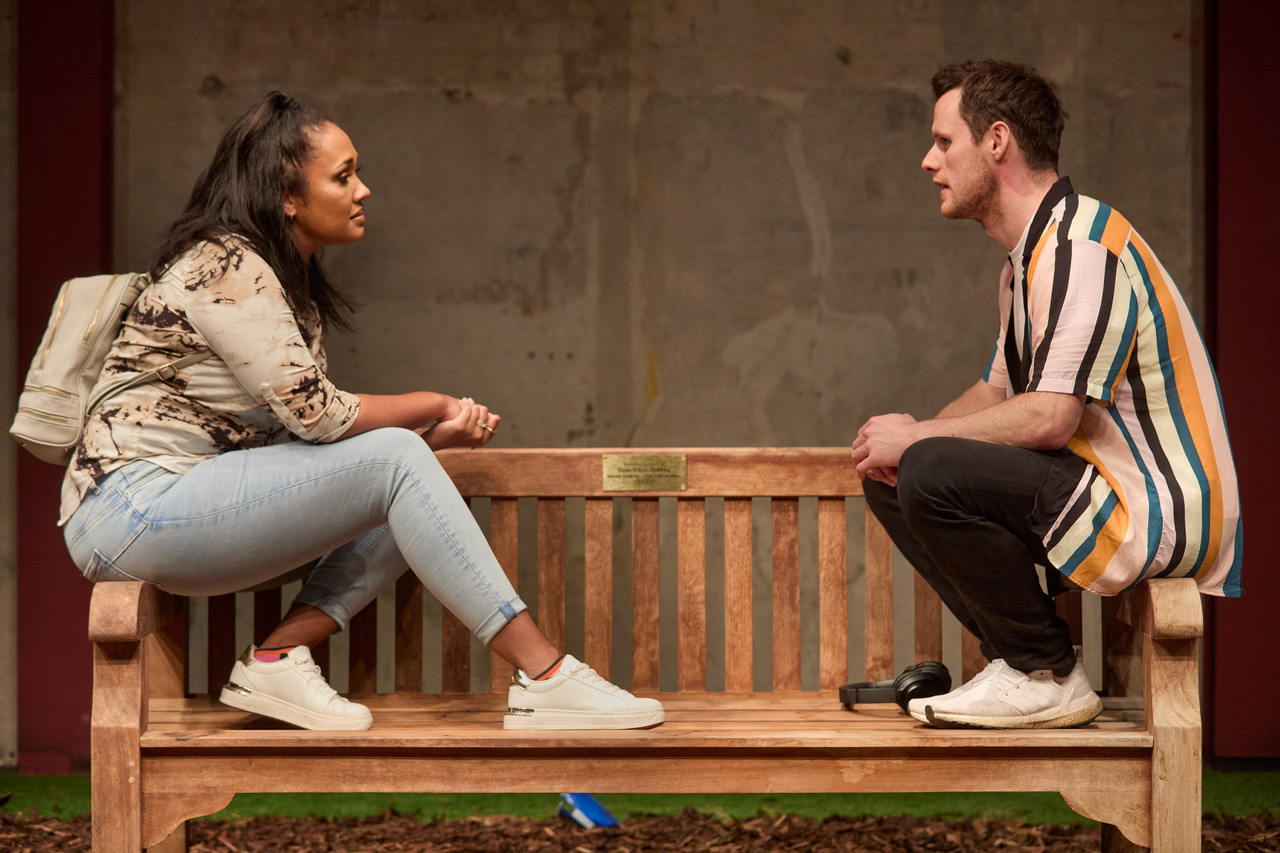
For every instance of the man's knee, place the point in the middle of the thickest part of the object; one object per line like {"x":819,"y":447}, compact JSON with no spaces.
{"x":919,"y":471}
{"x":926,"y":464}
{"x":881,"y":499}
{"x":931,"y":454}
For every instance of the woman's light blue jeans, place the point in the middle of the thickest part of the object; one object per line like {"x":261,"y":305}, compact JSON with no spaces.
{"x":367,"y":508}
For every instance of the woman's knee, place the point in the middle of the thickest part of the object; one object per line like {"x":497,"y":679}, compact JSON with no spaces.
{"x":393,"y":442}
{"x":403,"y":448}
{"x":402,"y":454}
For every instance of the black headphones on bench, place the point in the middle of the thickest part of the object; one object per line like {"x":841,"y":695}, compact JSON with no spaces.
{"x":927,"y":678}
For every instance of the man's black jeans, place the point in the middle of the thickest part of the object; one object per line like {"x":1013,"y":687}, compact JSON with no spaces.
{"x":970,"y":516}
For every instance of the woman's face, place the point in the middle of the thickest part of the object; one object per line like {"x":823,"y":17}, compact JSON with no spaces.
{"x":331,"y":212}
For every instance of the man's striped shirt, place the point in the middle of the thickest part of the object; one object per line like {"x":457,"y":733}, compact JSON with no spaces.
{"x":1086,"y":308}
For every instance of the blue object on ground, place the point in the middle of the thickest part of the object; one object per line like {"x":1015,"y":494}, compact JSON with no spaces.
{"x":585,"y":810}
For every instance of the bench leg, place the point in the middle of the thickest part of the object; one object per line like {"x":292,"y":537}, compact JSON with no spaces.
{"x":1173,"y":670}
{"x":115,"y":756}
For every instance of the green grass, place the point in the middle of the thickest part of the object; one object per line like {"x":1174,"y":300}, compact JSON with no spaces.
{"x":1239,"y":794}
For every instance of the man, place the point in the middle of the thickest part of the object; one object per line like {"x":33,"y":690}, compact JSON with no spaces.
{"x":1094,"y":444}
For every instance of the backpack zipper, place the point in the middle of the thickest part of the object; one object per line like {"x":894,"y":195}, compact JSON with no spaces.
{"x":53,"y":330}
{"x":93,"y":321}
{"x":56,"y":392}
{"x":45,"y":416}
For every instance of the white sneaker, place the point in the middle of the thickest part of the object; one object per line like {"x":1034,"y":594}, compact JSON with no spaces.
{"x":916,"y":707}
{"x":1012,"y":699}
{"x":576,"y":697}
{"x":293,"y":690}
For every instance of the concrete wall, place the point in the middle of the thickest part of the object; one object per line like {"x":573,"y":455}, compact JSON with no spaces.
{"x":647,"y":223}
{"x":8,"y":384}
{"x":663,"y":223}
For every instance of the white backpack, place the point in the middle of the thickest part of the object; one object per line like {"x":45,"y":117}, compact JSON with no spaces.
{"x":55,"y":400}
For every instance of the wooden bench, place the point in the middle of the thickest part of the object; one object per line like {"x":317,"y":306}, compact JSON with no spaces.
{"x":741,"y":601}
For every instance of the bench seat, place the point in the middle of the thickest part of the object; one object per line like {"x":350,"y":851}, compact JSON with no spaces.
{"x":729,"y":721}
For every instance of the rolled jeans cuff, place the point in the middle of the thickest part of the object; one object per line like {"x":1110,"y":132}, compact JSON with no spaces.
{"x":333,"y":607}
{"x":508,"y":610}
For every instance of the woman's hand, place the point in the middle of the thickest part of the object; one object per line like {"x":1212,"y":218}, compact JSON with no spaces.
{"x":466,"y":423}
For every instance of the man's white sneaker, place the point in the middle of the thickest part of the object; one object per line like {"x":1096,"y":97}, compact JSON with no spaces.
{"x":293,"y":690}
{"x":1013,"y":699}
{"x":916,"y":706}
{"x":576,"y":697}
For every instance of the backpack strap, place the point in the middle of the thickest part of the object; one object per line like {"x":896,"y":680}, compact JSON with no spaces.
{"x":164,"y":371}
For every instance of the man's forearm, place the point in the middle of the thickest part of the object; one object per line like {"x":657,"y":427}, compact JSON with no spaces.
{"x":1036,"y":420}
{"x":976,"y":397}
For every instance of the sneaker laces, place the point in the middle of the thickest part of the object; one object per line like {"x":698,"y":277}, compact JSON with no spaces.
{"x":585,"y":673}
{"x":989,"y":670}
{"x":311,"y":671}
{"x":1002,"y":676}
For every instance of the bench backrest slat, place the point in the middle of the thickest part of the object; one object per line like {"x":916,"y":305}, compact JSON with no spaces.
{"x":833,"y":606}
{"x":455,"y":663}
{"x":879,"y":601}
{"x":739,"y":639}
{"x":221,"y":650}
{"x":362,"y":651}
{"x":598,"y":584}
{"x":785,"y":531}
{"x":408,"y":634}
{"x":645,"y":591}
{"x":504,"y":539}
{"x":691,"y":599}
{"x":551,"y":586}
{"x":928,"y":612}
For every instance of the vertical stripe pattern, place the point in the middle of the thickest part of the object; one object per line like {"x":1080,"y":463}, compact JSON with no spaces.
{"x":1087,"y":309}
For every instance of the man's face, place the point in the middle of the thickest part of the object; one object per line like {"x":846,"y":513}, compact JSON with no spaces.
{"x":967,"y":182}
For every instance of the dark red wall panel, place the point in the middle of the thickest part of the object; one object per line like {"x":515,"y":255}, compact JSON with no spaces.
{"x":65,"y":92}
{"x":1244,"y":685}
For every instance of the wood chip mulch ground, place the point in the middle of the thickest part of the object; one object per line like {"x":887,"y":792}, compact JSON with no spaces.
{"x":690,"y":832}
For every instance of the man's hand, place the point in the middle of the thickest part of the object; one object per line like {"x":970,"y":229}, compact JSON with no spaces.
{"x":879,"y":446}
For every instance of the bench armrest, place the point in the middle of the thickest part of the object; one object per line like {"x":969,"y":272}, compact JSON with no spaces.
{"x":1163,"y":609}
{"x":1173,"y":610}
{"x":129,"y":611}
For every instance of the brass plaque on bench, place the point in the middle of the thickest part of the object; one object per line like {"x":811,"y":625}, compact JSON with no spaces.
{"x":645,"y":472}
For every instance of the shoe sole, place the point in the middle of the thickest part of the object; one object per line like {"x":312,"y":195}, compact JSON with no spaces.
{"x":582,"y":721}
{"x":269,"y":706}
{"x":1080,"y":713}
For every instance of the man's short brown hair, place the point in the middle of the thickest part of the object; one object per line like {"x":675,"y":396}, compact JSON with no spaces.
{"x":1018,"y":95}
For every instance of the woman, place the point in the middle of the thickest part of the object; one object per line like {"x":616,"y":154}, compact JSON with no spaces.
{"x":248,"y":464}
